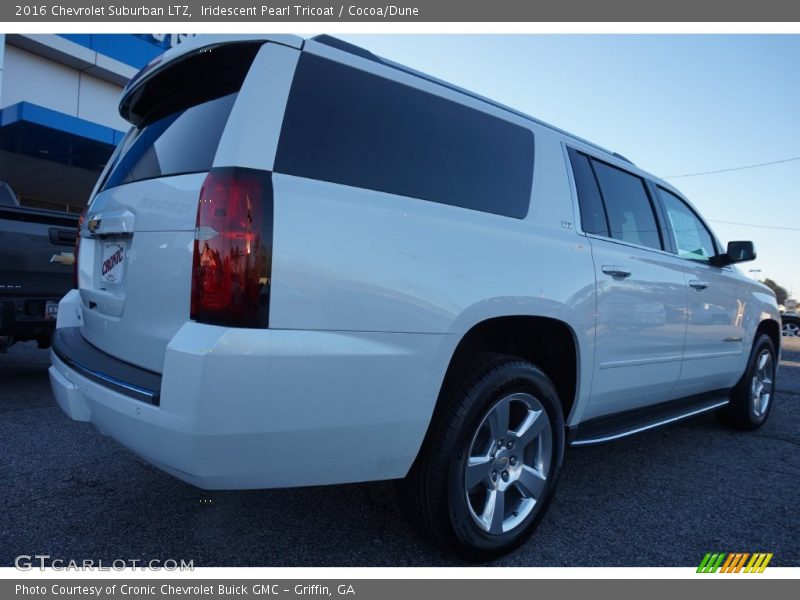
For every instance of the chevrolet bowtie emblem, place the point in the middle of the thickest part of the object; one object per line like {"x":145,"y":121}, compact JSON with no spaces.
{"x":92,"y":224}
{"x":63,"y":258}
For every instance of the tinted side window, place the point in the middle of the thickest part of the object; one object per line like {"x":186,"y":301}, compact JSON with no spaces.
{"x":347,"y":126}
{"x":183,"y":142}
{"x":692,"y":238}
{"x":593,"y":216}
{"x":630,"y":214}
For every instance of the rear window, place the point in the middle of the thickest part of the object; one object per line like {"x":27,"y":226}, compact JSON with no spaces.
{"x":347,"y":126}
{"x":179,"y":113}
{"x":183,"y":142}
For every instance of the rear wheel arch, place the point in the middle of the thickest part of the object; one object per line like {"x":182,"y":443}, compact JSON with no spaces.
{"x":548,"y":343}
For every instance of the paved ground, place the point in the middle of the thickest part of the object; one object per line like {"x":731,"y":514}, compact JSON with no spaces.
{"x":661,"y":498}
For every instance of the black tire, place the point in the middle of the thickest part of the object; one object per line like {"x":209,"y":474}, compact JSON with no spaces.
{"x":743,"y":412}
{"x":434,"y":490}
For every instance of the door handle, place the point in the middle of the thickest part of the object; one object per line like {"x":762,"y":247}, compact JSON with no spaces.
{"x":698,"y":285}
{"x":615,"y":271}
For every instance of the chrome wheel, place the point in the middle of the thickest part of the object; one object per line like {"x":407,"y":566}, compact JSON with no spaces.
{"x":791,"y":329}
{"x":508,"y":463}
{"x":761,"y":385}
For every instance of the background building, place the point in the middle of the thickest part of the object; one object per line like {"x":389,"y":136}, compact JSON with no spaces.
{"x":58,"y":110}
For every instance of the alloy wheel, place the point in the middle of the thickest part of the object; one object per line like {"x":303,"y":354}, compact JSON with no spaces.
{"x":761,"y":385}
{"x":508,"y":463}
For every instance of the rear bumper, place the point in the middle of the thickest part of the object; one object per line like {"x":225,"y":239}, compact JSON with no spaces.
{"x":159,"y":438}
{"x":265,"y":408}
{"x":80,"y":356}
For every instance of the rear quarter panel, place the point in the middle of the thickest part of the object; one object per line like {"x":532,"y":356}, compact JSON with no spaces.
{"x":349,"y":259}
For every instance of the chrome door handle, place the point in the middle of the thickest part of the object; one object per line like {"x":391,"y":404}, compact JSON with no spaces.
{"x":698,"y":285}
{"x":615,"y":271}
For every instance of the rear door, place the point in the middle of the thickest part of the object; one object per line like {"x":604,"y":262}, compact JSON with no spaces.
{"x":137,"y":240}
{"x":641,"y":293}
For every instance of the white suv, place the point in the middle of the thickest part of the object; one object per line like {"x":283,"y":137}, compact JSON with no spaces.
{"x":309,"y":265}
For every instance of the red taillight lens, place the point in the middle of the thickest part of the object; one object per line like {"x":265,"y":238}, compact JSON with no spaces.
{"x":233,"y":249}
{"x":77,"y":249}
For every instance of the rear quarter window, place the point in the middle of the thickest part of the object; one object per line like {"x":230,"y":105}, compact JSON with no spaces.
{"x":347,"y":126}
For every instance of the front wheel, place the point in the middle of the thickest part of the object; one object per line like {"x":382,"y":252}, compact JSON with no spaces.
{"x":486,"y":473}
{"x":751,"y":399}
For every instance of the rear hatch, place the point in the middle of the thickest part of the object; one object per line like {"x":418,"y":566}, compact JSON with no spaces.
{"x":137,"y":239}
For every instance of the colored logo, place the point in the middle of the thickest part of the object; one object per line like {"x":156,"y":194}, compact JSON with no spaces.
{"x":734,"y":562}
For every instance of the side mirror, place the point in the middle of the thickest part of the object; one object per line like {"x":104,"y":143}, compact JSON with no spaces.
{"x":737,"y":252}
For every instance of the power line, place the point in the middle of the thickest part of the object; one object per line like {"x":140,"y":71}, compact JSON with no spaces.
{"x":754,"y":225}
{"x":766,"y":164}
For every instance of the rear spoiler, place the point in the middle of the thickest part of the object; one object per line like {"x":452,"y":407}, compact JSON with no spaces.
{"x":188,"y":48}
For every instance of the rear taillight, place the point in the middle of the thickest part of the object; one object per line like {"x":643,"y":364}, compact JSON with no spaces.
{"x":233,"y":249}
{"x":77,"y":250}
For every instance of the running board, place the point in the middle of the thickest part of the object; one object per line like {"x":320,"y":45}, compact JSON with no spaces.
{"x":612,"y":427}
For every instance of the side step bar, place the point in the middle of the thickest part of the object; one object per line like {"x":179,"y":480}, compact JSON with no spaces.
{"x":612,"y":427}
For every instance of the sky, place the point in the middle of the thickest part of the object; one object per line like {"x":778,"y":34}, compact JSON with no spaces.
{"x":673,"y":104}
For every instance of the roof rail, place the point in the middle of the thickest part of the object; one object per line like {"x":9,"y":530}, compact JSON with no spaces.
{"x":619,"y":156}
{"x":334,"y":42}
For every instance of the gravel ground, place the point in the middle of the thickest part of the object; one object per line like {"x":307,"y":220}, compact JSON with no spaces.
{"x":662,"y":498}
